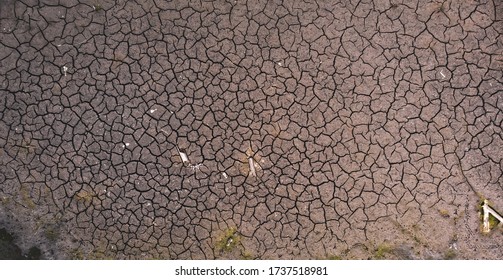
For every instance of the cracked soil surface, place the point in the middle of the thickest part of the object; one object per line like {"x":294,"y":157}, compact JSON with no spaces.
{"x":311,"y":129}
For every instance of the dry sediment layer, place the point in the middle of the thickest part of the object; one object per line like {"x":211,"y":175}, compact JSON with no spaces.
{"x":374,"y":128}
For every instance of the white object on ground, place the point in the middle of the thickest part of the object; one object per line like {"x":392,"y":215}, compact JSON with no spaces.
{"x":195,"y":167}
{"x":183,"y":156}
{"x":251,"y":163}
{"x":488,"y":210}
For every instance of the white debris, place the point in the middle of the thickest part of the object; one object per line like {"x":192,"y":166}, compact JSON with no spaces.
{"x":152,"y":111}
{"x":251,"y":163}
{"x":442,"y":73}
{"x":65,"y":69}
{"x":183,"y":156}
{"x":486,"y":228}
{"x":279,"y":63}
{"x":195,"y":167}
{"x":229,"y":242}
{"x":225,"y":175}
{"x":127,"y":144}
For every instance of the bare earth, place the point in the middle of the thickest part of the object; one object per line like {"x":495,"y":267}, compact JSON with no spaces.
{"x":374,"y":128}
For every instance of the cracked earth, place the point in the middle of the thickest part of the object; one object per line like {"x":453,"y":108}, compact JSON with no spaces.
{"x":251,"y":129}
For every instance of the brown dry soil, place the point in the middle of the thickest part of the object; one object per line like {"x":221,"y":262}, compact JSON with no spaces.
{"x":375,"y":128}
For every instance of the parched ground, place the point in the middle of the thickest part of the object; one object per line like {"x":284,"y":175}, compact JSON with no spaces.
{"x":374,"y":128}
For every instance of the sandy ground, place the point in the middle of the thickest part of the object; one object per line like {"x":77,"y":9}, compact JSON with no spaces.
{"x":251,"y":129}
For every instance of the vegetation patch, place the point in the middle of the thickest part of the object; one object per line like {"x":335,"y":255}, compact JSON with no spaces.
{"x":450,"y":254}
{"x":493,"y":221}
{"x":382,"y":250}
{"x":85,"y":196}
{"x":228,"y":241}
{"x":24,"y":192}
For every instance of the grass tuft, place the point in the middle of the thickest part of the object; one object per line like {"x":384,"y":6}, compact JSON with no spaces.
{"x":228,"y":241}
{"x":381,"y":251}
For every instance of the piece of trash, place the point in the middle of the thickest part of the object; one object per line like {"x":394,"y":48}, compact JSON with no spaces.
{"x":196,"y":167}
{"x":251,"y":163}
{"x":441,"y":73}
{"x":486,"y":228}
{"x":225,"y":175}
{"x":183,"y":156}
{"x":229,"y":242}
{"x":65,"y":69}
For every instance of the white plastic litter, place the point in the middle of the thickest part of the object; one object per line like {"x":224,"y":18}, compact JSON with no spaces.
{"x":251,"y":163}
{"x":183,"y":156}
{"x":488,"y":210}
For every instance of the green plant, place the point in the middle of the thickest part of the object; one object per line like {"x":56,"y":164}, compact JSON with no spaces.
{"x":228,"y":241}
{"x":382,"y":250}
{"x":493,"y":221}
{"x":450,"y":254}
